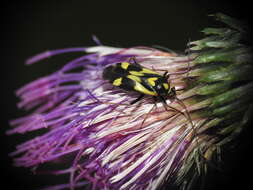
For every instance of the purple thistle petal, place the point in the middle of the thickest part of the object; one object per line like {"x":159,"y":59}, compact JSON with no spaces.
{"x":96,"y":40}
{"x":48,"y":54}
{"x":87,"y":118}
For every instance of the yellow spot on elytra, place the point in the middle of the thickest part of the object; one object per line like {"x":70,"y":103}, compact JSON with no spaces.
{"x":117,"y":82}
{"x":124,"y":65}
{"x":152,"y":80}
{"x":138,"y":87}
{"x":145,"y":70}
{"x":134,"y":78}
{"x":136,"y":73}
{"x":166,"y":86}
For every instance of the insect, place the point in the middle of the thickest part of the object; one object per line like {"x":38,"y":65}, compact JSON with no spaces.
{"x":134,"y":77}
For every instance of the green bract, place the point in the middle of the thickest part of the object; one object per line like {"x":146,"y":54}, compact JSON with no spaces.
{"x":222,"y":74}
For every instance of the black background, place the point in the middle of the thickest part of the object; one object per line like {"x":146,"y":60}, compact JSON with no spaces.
{"x":30,"y":27}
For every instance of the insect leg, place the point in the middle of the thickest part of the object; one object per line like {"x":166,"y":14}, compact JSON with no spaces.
{"x":132,"y":59}
{"x":172,"y":108}
{"x":195,"y":133}
{"x":166,"y":105}
{"x":146,"y":116}
{"x":164,"y":49}
{"x":160,"y":70}
{"x":140,"y":129}
{"x":186,"y":113}
{"x":166,"y":74}
{"x":185,"y":71}
{"x":188,"y":116}
{"x":182,"y":72}
{"x":138,"y":99}
{"x":97,"y":100}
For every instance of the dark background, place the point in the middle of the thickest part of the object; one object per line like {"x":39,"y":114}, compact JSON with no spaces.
{"x":30,"y":27}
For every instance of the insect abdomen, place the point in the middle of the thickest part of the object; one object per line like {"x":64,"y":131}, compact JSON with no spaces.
{"x":107,"y":73}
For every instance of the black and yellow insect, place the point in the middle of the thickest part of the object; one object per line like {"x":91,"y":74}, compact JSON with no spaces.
{"x":134,"y":77}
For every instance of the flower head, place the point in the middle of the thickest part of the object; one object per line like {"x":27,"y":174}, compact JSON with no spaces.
{"x":113,"y":144}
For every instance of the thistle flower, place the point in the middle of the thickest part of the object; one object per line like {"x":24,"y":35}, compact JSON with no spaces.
{"x":110,"y":143}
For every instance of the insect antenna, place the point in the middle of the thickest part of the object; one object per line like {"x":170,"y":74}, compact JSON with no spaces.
{"x":107,"y":102}
{"x":138,"y":99}
{"x":146,"y":116}
{"x":165,"y":49}
{"x":143,"y":121}
{"x":195,"y":133}
{"x":133,"y":60}
{"x":186,"y":114}
{"x":175,"y":73}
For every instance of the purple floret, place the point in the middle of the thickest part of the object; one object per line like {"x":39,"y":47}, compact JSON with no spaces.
{"x":81,"y":121}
